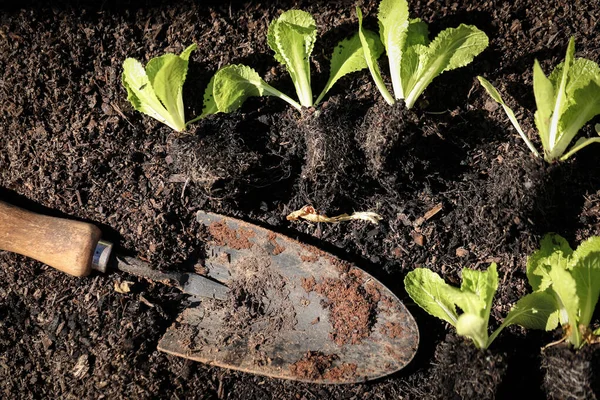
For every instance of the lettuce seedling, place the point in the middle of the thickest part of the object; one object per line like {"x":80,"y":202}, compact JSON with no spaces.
{"x":372,"y":49}
{"x":414,"y":61}
{"x":566,"y":282}
{"x":157,"y":90}
{"x":474,"y":298}
{"x":292,"y":37}
{"x":566,"y":100}
{"x":232,"y":85}
{"x":348,"y":57}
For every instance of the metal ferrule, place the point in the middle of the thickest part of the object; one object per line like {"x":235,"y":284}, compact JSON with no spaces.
{"x":101,"y":255}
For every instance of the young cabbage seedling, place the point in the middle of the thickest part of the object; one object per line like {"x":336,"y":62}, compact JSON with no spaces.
{"x":474,"y":298}
{"x":566,"y":101}
{"x":414,"y":61}
{"x":157,"y":90}
{"x":292,"y":37}
{"x":567,"y":283}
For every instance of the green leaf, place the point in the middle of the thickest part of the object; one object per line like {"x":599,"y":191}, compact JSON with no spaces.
{"x":585,"y":270}
{"x":576,"y":100}
{"x":393,"y":29}
{"x":474,"y":298}
{"x":209,"y":105}
{"x":452,"y":48}
{"x":415,"y":53}
{"x":418,"y":33}
{"x":349,"y":57}
{"x":232,"y":85}
{"x":548,"y":269}
{"x":554,"y":250}
{"x":585,"y":106}
{"x":560,"y":100}
{"x":478,"y":289}
{"x":168,"y":84}
{"x":579,"y":144}
{"x":537,"y":310}
{"x":494,"y":94}
{"x":292,"y":37}
{"x":483,"y":284}
{"x":432,"y":294}
{"x":474,"y":327}
{"x":564,"y":287}
{"x":544,"y":99}
{"x":158,"y":90}
{"x":369,"y":45}
{"x":141,"y":95}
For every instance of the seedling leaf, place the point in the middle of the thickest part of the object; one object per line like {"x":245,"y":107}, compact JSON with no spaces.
{"x":292,"y":37}
{"x":432,"y":294}
{"x":494,"y":94}
{"x":393,"y":30}
{"x":537,"y":310}
{"x":348,"y":57}
{"x":452,"y":48}
{"x":566,"y":100}
{"x":232,"y":85}
{"x":158,"y":90}
{"x":586,"y":272}
{"x":370,"y":45}
{"x":544,"y":98}
{"x":474,"y":327}
{"x":474,"y":298}
{"x":572,"y":278}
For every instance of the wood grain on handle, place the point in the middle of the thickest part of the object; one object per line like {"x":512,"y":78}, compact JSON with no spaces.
{"x":60,"y":243}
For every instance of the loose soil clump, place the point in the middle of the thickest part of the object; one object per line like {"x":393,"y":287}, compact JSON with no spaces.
{"x":352,"y":308}
{"x":313,"y":365}
{"x":460,"y":370}
{"x":571,"y":374}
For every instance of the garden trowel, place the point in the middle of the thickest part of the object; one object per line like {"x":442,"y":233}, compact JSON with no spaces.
{"x":265,"y":304}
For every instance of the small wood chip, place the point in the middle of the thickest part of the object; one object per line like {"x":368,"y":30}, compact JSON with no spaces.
{"x":82,"y":367}
{"x":418,"y":238}
{"x":146,"y":302}
{"x":462,"y":252}
{"x":46,"y":342}
{"x":123,"y":287}
{"x":436,"y":209}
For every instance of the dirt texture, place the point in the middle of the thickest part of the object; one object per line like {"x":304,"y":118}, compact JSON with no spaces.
{"x":352,"y":308}
{"x":461,"y":371}
{"x":72,"y":146}
{"x":571,"y":374}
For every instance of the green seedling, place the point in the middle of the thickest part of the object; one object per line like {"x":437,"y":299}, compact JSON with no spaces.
{"x":567,"y":283}
{"x":474,"y":298}
{"x":291,"y":37}
{"x":566,"y":100}
{"x":414,"y":61}
{"x":157,"y":90}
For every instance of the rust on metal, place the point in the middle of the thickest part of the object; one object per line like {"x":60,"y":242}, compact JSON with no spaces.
{"x":300,"y":314}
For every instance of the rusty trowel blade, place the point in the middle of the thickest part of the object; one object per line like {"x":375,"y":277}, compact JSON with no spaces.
{"x":293,"y":312}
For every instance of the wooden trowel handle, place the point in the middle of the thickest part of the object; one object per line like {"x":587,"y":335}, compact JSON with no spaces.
{"x":60,"y":243}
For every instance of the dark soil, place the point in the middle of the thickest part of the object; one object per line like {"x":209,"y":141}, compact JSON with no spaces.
{"x":460,"y":371}
{"x":569,"y":374}
{"x":72,"y":146}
